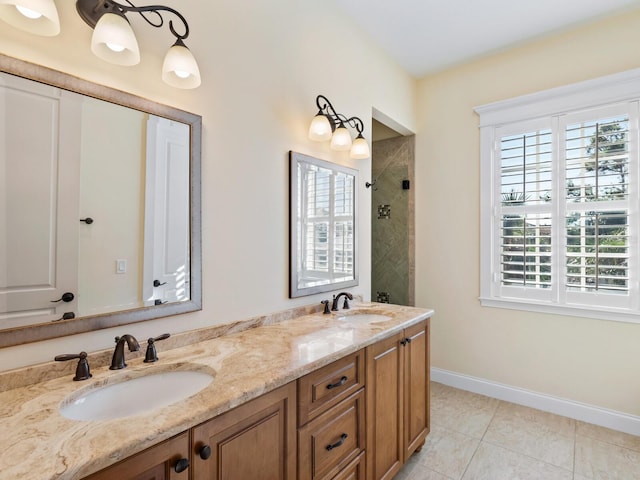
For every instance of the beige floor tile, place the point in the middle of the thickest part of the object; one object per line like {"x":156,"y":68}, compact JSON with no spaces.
{"x":537,"y":434}
{"x":447,"y":452}
{"x":608,"y":436}
{"x":461,"y":411}
{"x":602,"y":461}
{"x":562,"y":425}
{"x":579,"y":477}
{"x":496,"y":463}
{"x":414,"y":470}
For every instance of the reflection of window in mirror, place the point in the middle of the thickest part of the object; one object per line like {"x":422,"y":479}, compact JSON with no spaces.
{"x":323,"y":202}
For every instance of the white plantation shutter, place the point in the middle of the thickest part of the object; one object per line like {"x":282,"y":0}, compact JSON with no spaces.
{"x":525,"y":209}
{"x":316,"y":245}
{"x":343,"y":224}
{"x":598,"y":251}
{"x":600,"y":163}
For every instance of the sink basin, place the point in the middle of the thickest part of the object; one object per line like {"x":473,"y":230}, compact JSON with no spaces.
{"x":134,"y":396}
{"x":372,"y":318}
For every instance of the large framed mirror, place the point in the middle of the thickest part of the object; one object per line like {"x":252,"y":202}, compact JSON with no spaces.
{"x":323,"y":227}
{"x":100,"y":211}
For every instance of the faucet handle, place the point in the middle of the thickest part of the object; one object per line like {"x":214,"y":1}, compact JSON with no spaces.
{"x":151,"y":354}
{"x":326,"y":307}
{"x":82,"y":370}
{"x":345,"y":305}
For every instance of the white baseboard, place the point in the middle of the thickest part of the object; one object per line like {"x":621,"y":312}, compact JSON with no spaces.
{"x":548,"y":403}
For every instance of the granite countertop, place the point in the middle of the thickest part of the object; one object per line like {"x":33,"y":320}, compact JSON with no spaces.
{"x":37,"y":442}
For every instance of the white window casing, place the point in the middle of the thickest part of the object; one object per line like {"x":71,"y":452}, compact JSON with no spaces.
{"x":560,"y":200}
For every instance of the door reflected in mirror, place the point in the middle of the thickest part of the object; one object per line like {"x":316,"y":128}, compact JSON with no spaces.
{"x":99,"y":217}
{"x":323,"y":199}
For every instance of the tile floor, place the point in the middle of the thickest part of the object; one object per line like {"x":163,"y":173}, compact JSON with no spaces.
{"x":474,"y":437}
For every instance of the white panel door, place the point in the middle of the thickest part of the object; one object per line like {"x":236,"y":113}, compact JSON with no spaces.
{"x":167,"y":215}
{"x":39,"y":175}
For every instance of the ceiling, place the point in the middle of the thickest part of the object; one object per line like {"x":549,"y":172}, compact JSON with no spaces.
{"x":426,"y":36}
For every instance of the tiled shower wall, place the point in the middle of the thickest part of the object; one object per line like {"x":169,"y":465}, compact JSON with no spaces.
{"x":392,"y":221}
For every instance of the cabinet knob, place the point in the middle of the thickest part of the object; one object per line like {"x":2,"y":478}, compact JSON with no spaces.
{"x":205,"y":452}
{"x":181,"y":465}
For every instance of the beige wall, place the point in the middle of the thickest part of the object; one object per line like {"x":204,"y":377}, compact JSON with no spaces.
{"x":262,"y":66}
{"x":584,"y":360}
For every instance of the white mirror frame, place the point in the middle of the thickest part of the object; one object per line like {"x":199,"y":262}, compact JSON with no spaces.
{"x":296,"y":287}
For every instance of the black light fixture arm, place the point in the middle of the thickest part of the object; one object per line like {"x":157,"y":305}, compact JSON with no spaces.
{"x":356,"y":123}
{"x":92,"y":10}
{"x":325,"y":108}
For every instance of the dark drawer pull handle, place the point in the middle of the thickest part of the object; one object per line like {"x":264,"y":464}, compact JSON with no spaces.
{"x":181,"y":465}
{"x":342,"y":381}
{"x":343,"y":437}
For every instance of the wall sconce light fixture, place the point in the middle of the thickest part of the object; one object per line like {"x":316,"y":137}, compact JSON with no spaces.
{"x":113,"y":38}
{"x":329,"y":124}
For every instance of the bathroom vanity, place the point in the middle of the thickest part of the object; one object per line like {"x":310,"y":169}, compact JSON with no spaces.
{"x":336,"y":396}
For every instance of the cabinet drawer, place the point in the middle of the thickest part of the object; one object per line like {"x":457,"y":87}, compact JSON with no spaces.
{"x":332,"y":440}
{"x":320,"y":390}
{"x":353,"y":471}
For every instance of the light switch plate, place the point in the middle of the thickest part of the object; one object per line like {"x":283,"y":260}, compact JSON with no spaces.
{"x":121,"y":266}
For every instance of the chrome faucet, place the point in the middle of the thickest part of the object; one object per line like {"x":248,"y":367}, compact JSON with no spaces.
{"x":117,"y":362}
{"x":345,"y":306}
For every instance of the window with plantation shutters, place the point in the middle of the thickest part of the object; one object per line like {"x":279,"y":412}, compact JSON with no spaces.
{"x":560,"y":200}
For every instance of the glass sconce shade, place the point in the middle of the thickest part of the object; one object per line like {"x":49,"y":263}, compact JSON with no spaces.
{"x":39,"y":17}
{"x":320,"y":128}
{"x":180,"y":68}
{"x":114,"y":41}
{"x":341,"y":139}
{"x":360,"y":148}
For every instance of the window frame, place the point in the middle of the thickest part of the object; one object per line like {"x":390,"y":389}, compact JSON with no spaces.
{"x":554,"y":108}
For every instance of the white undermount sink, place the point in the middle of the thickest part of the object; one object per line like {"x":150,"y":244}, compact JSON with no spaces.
{"x":135,"y":396}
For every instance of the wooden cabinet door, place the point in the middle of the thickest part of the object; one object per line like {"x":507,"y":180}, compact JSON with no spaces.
{"x":254,"y":441}
{"x":416,"y":387}
{"x":385,"y":390}
{"x":155,"y":463}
